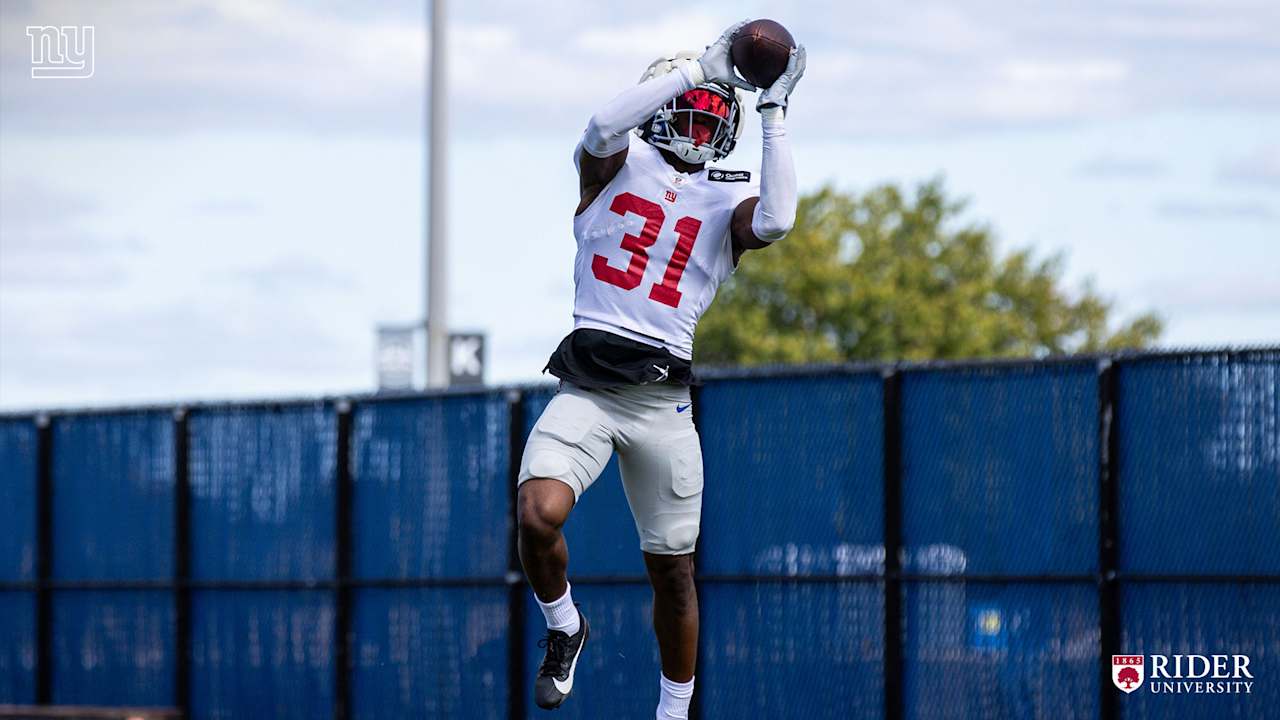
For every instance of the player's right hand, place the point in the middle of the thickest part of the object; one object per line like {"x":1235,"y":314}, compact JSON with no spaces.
{"x":715,"y":62}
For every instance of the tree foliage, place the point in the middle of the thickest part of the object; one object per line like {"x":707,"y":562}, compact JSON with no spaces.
{"x":883,"y":276}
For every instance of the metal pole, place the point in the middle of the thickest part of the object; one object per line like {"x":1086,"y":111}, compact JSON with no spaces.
{"x":343,"y":662}
{"x":437,"y":290}
{"x":517,"y":691}
{"x":1108,"y":536}
{"x":44,"y":560}
{"x":894,"y":686}
{"x":182,"y":560}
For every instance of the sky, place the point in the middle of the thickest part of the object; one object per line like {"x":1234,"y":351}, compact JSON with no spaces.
{"x":235,"y":199}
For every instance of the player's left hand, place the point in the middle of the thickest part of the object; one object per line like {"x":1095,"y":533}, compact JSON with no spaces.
{"x":715,"y":62}
{"x":781,"y":89}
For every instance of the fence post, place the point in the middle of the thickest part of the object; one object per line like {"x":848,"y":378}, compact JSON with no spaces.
{"x":695,"y":704}
{"x":182,"y":562}
{"x":342,"y":563}
{"x":1108,"y":537}
{"x":891,"y":389}
{"x":44,"y":560}
{"x":516,"y":707}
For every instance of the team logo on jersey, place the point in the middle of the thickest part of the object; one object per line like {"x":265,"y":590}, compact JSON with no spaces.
{"x":671,"y":196}
{"x":729,"y":176}
{"x":1127,"y":672}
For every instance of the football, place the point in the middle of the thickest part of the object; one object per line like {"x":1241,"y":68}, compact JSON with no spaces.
{"x":760,"y":50}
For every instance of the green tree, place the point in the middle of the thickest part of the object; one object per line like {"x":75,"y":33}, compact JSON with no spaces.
{"x":886,"y":277}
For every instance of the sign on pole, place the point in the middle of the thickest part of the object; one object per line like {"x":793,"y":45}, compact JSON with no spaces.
{"x":466,"y":359}
{"x":395,"y":358}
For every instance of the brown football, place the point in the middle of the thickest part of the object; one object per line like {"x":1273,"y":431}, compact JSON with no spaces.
{"x":760,"y":51}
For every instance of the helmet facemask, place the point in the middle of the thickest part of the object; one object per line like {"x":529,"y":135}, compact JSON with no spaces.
{"x":700,"y":126}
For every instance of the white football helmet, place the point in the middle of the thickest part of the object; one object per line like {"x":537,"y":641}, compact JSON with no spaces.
{"x":710,"y":116}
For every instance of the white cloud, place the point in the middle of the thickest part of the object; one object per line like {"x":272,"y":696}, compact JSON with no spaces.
{"x":162,"y":353}
{"x":1243,"y":291}
{"x":924,"y":68}
{"x":227,"y":206}
{"x":1037,"y":90}
{"x":290,"y":273}
{"x":1260,"y":167}
{"x":1122,"y":165}
{"x":48,"y":240}
{"x":1193,"y":23}
{"x":1069,"y":73}
{"x":931,"y":29}
{"x":1243,"y":210}
{"x":224,"y":63}
{"x":647,"y":40}
{"x":233,"y":202}
{"x":470,"y":41}
{"x":31,"y":203}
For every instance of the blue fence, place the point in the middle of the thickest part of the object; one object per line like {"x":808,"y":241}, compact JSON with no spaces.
{"x":927,"y":541}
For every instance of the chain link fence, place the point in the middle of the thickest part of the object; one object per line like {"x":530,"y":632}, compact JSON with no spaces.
{"x":963,"y":540}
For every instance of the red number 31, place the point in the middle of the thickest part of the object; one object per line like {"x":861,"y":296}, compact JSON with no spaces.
{"x":686,"y":228}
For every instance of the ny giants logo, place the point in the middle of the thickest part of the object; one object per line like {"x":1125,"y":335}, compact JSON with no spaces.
{"x":61,"y":53}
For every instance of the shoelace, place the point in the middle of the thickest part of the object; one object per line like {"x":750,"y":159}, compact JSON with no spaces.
{"x":557,"y":645}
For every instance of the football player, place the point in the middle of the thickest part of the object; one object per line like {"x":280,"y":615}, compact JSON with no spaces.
{"x":657,"y":233}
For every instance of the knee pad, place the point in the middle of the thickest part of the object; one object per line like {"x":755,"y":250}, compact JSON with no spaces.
{"x":680,"y":539}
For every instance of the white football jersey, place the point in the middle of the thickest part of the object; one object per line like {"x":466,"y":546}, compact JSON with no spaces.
{"x":653,"y":248}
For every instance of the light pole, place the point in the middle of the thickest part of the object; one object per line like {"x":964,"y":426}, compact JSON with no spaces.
{"x":437,"y":241}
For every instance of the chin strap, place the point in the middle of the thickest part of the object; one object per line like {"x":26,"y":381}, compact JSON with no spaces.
{"x":776,"y":211}
{"x":606,"y":133}
{"x":690,"y":153}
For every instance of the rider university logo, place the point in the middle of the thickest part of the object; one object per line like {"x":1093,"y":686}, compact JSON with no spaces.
{"x":1127,"y":672}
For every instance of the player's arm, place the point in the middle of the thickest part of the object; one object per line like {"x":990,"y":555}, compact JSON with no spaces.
{"x":760,"y":221}
{"x":604,"y":144}
{"x":603,"y":149}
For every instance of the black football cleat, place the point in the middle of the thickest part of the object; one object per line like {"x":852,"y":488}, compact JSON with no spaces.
{"x":555,"y":676}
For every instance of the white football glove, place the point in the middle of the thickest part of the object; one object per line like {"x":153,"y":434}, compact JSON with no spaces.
{"x":780,"y":90}
{"x":715,"y":62}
